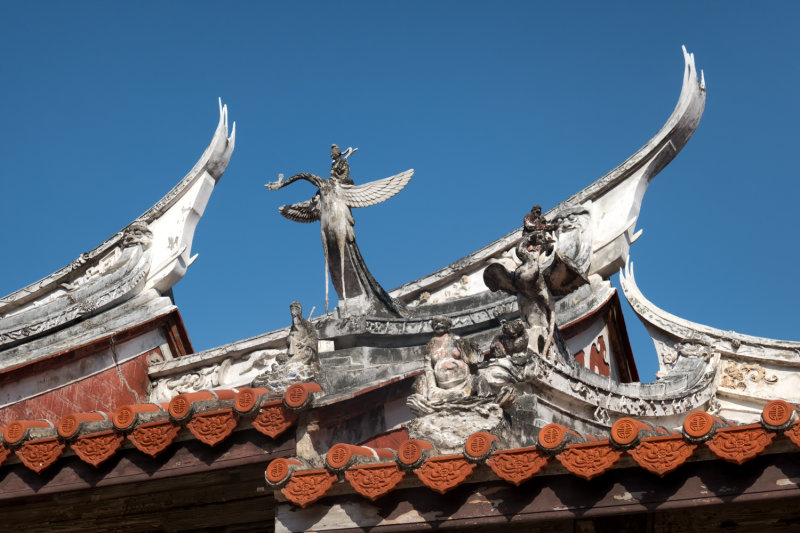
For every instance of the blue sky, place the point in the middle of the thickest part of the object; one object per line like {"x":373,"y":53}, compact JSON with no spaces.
{"x":497,"y":106}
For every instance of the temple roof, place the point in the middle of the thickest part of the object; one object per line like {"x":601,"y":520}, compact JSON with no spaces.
{"x":124,"y":281}
{"x":376,"y":466}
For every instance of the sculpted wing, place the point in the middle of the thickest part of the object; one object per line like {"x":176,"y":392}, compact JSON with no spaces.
{"x":305,"y":212}
{"x":376,"y":191}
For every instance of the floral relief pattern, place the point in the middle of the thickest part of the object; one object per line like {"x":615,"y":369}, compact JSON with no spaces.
{"x":588,"y":461}
{"x":373,"y":481}
{"x":662,"y":455}
{"x":272,"y":420}
{"x":517,"y":466}
{"x":306,"y":487}
{"x":39,"y":454}
{"x":738,"y":376}
{"x":97,"y":448}
{"x":213,"y":427}
{"x":443,"y":473}
{"x":740,"y":444}
{"x":153,"y":438}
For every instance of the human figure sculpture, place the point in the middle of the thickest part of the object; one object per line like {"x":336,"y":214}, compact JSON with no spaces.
{"x":536,"y":232}
{"x":331,"y":206}
{"x":303,"y":340}
{"x":508,"y":355}
{"x":448,"y":377}
{"x":340,"y":168}
{"x":300,"y":363}
{"x":546,"y":271}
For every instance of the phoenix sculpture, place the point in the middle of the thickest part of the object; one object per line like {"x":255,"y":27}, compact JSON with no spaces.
{"x":331,"y":205}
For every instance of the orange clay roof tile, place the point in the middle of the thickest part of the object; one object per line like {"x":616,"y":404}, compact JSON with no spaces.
{"x":652,"y":448}
{"x":210,"y":416}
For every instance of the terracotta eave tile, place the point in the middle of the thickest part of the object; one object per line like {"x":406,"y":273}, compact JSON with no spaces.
{"x":4,"y":453}
{"x":274,"y":418}
{"x":794,"y":433}
{"x":589,"y":459}
{"x":41,"y":453}
{"x":342,"y":456}
{"x":154,"y":437}
{"x":444,"y":472}
{"x":307,"y":486}
{"x":374,"y":480}
{"x":183,"y":406}
{"x":280,"y":470}
{"x":517,"y":465}
{"x":212,"y":427}
{"x":740,"y":443}
{"x":479,"y":446}
{"x":211,"y":416}
{"x":300,"y":395}
{"x":96,"y":448}
{"x":413,"y":452}
{"x":779,"y":415}
{"x":662,"y":455}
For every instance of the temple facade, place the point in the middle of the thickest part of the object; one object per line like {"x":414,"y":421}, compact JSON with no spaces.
{"x":497,"y":393}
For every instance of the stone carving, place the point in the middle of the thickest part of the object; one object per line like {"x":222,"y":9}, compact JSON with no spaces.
{"x":601,"y":415}
{"x":681,"y":344}
{"x":303,"y":340}
{"x":447,"y":376}
{"x":615,"y":199}
{"x":555,"y":260}
{"x":737,"y":376}
{"x":690,"y":349}
{"x":510,"y":353}
{"x":205,"y":378}
{"x":300,"y":362}
{"x":117,"y":276}
{"x":451,"y":400}
{"x":331,"y":206}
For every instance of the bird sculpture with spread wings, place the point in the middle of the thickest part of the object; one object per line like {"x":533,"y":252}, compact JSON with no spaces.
{"x":331,"y":206}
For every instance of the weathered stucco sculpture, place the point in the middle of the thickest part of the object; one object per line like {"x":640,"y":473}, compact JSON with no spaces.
{"x":555,"y":259}
{"x":448,"y":377}
{"x":301,"y":361}
{"x":509,"y":354}
{"x":451,"y":398}
{"x":357,"y":289}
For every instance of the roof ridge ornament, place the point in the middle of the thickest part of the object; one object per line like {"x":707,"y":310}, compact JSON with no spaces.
{"x":356,"y":287}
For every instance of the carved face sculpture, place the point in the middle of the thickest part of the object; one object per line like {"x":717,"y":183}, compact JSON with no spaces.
{"x":296,"y":309}
{"x":514,"y":329}
{"x":336,"y":153}
{"x":441,"y":325}
{"x":137,"y":233}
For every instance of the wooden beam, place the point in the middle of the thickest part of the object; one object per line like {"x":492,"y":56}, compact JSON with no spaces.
{"x":765,"y":481}
{"x":245,"y":447}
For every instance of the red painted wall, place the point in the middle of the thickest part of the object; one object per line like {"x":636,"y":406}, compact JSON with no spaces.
{"x":102,"y":392}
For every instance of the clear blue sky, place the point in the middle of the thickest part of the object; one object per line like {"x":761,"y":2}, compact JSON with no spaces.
{"x":496,"y":105}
